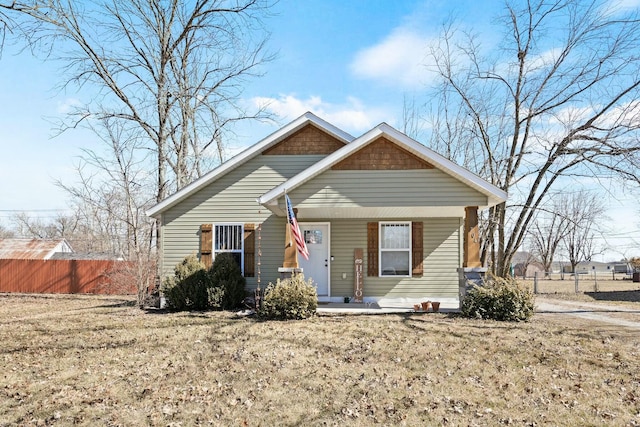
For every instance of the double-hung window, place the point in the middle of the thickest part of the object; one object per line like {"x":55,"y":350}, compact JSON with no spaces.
{"x":229,"y":238}
{"x":395,"y":249}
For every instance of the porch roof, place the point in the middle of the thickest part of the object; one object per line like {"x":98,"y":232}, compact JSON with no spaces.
{"x":380,"y":212}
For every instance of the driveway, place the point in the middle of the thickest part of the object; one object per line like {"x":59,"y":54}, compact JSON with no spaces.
{"x":600,"y":312}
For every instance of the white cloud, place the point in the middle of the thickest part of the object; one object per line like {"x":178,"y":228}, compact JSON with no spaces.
{"x":570,"y":115}
{"x":400,"y":58}
{"x":543,"y":60}
{"x":352,"y":115}
{"x":625,"y":114}
{"x":625,"y":5}
{"x":68,"y":105}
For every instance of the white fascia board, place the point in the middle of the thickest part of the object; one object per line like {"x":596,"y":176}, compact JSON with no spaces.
{"x":494,"y":194}
{"x":248,"y":154}
{"x":66,"y":246}
{"x":61,"y":246}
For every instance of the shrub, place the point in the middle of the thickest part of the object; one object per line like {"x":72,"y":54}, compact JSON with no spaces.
{"x":228,"y":284}
{"x":188,"y":288}
{"x":293,"y":298}
{"x":189,"y":265}
{"x":499,"y":299}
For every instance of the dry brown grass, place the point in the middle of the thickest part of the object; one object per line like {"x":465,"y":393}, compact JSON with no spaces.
{"x":617,"y":292}
{"x":101,"y":361}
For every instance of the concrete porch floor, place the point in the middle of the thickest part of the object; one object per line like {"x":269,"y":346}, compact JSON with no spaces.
{"x":376,"y":308}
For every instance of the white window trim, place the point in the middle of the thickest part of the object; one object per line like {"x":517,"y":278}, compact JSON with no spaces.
{"x":380,"y":249}
{"x":241,"y":250}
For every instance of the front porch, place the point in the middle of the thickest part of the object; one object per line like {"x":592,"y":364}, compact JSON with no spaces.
{"x":382,"y":307}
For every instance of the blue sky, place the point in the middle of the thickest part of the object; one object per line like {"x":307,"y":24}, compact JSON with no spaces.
{"x":350,"y":62}
{"x":325,"y":50}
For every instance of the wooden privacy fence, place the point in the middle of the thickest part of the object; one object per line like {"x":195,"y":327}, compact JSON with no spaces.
{"x":61,"y":277}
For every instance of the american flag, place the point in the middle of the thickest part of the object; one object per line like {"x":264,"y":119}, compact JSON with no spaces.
{"x":295,"y":230}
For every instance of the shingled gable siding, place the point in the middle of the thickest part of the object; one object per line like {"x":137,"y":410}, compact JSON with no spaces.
{"x":382,"y":154}
{"x":232,"y":199}
{"x":441,"y":241}
{"x":307,"y":141}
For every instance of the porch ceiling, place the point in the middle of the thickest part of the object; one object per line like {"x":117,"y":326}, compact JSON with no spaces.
{"x":373,"y":212}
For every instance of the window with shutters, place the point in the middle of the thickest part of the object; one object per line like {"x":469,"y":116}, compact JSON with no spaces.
{"x":395,"y":249}
{"x":229,"y":238}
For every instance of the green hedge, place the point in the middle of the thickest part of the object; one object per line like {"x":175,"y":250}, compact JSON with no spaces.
{"x":188,"y":288}
{"x":288,"y":299}
{"x":228,"y":283}
{"x":499,"y":299}
{"x":193,"y":287}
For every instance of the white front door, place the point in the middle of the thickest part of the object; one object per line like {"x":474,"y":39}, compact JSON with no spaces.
{"x":316,"y":235}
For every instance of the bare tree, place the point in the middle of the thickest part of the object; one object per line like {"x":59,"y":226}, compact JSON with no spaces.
{"x":164,"y":81}
{"x":112,"y":200}
{"x":173,"y":71}
{"x":61,"y":226}
{"x":571,"y":224}
{"x":6,"y":233}
{"x":411,"y":121}
{"x":7,"y":10}
{"x":556,"y":101}
{"x":81,"y":233}
{"x":547,"y":230}
{"x":584,"y":212}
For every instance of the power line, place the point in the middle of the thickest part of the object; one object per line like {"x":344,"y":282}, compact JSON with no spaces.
{"x":34,"y":210}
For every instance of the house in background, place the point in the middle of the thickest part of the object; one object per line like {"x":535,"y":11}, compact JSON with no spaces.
{"x":528,"y":270}
{"x":594,"y":267}
{"x":381,"y":213}
{"x":524,"y":264}
{"x":43,"y":249}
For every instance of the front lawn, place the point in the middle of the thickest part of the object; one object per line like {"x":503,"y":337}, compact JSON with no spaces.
{"x":101,"y":361}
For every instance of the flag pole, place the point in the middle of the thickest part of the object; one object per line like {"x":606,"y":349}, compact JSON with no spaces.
{"x":290,"y":250}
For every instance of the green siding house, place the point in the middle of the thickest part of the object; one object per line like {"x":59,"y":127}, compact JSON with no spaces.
{"x":385,"y":219}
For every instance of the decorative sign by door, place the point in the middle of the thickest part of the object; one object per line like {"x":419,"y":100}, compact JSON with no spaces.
{"x":358,"y":283}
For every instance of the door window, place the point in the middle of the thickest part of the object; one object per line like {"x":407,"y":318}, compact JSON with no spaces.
{"x":313,"y":237}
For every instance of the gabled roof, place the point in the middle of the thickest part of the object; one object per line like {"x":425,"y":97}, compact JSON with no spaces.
{"x":494,"y":194}
{"x":249,"y":153}
{"x":32,"y":248}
